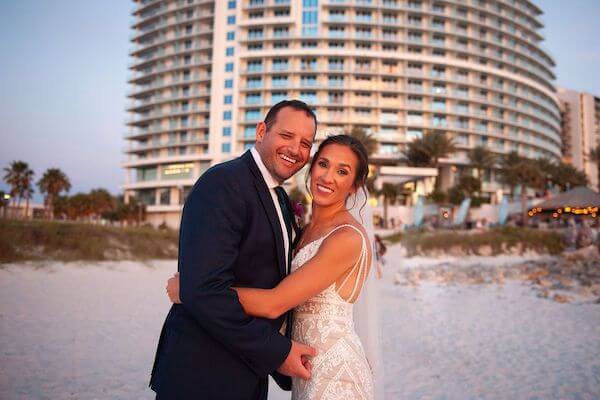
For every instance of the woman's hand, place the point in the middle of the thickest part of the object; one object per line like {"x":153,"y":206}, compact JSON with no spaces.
{"x":173,"y":288}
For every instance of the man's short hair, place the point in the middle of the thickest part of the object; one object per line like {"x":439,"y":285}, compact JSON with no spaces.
{"x":295,"y":104}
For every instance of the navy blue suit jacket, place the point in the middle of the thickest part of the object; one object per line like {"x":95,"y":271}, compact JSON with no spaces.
{"x":230,"y":235}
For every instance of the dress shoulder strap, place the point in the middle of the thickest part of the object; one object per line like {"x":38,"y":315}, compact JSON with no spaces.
{"x":342,"y":226}
{"x":361,"y":264}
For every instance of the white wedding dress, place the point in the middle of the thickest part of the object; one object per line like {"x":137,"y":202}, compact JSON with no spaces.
{"x":325,"y":322}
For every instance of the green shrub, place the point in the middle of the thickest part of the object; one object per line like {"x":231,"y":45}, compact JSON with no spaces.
{"x":41,"y":240}
{"x":498,"y":240}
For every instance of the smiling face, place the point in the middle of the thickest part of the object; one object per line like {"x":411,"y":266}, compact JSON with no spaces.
{"x":333,"y":174}
{"x":285,"y":147}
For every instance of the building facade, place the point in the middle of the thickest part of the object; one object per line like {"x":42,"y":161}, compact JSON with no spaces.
{"x":580,"y":130}
{"x":205,"y":72}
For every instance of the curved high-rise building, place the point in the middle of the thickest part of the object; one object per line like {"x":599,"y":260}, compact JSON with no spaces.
{"x":205,"y":72}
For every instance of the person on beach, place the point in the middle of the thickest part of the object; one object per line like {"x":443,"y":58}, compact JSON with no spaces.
{"x":330,"y":265}
{"x":236,"y":231}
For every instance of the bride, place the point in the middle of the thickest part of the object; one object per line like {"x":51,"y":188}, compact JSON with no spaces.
{"x":330,"y":265}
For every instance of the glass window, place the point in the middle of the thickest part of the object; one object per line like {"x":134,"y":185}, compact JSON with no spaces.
{"x":231,"y":35}
{"x":147,"y":196}
{"x":414,"y":118}
{"x":255,"y":66}
{"x":280,"y":64}
{"x":231,"y":20}
{"x":228,"y":83}
{"x":227,"y":115}
{"x":276,"y":97}
{"x":253,"y":98}
{"x":389,"y":149}
{"x":177,"y":171}
{"x":254,"y":82}
{"x":336,"y":80}
{"x":231,"y":4}
{"x":308,"y":80}
{"x":229,"y":51}
{"x":308,"y":97}
{"x":252,"y":114}
{"x":281,"y":32}
{"x":439,"y":120}
{"x":146,"y":174}
{"x":229,"y":67}
{"x":279,"y":81}
{"x":415,"y":101}
{"x":226,"y":147}
{"x":255,"y":33}
{"x":165,"y":197}
{"x":309,"y":17}
{"x":439,"y":104}
{"x":414,"y":134}
{"x":226,"y":131}
{"x":249,"y":132}
{"x":228,"y":99}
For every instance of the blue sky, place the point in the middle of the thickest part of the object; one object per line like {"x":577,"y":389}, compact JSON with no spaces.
{"x":63,"y":80}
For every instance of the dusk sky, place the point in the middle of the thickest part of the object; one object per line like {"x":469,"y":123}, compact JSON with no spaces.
{"x":63,"y":77}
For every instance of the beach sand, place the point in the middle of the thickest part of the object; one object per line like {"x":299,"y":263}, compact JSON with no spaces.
{"x":89,"y":331}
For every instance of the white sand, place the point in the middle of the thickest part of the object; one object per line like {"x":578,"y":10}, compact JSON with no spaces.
{"x":75,"y":331}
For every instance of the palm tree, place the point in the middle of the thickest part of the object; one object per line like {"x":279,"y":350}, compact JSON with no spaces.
{"x":566,"y":176}
{"x":133,"y":210}
{"x":368,"y":140}
{"x":469,"y":185}
{"x":481,"y":159}
{"x":60,"y":207}
{"x":19,"y":176}
{"x":509,"y":170}
{"x":465,"y":187}
{"x":52,"y":183}
{"x":415,"y":155}
{"x":516,"y":170}
{"x":390,"y":193}
{"x":594,"y":156}
{"x":428,"y":150}
{"x":79,"y":206}
{"x":101,"y":202}
{"x":27,"y":193}
{"x":547,"y":169}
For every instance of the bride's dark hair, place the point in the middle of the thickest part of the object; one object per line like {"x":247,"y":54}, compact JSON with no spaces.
{"x":359,"y":149}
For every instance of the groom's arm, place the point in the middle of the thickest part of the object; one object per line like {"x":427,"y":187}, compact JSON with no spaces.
{"x":212,"y":227}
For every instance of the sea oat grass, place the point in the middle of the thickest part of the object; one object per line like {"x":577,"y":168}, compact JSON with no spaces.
{"x":491,"y":242}
{"x":44,"y":240}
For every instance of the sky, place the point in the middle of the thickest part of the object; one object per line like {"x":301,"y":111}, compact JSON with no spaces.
{"x":63,"y":69}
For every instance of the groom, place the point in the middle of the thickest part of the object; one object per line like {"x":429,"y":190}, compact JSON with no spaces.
{"x":236,"y":230}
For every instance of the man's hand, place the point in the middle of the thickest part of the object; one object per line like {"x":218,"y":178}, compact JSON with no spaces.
{"x":297,"y":364}
{"x":173,"y":288}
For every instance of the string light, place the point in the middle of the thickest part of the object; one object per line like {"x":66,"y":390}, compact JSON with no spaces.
{"x":592,"y":211}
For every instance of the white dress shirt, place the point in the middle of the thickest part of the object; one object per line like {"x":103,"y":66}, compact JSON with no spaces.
{"x":272,"y":184}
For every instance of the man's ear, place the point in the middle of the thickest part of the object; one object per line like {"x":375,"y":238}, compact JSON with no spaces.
{"x":261,"y":130}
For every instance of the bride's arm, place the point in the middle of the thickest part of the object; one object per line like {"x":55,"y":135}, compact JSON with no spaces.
{"x":336,"y":256}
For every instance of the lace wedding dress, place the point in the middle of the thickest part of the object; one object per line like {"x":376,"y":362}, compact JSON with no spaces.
{"x":340,"y":370}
